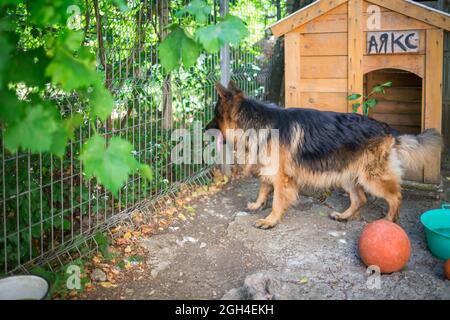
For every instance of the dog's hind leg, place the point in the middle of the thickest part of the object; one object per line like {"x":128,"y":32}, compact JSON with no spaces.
{"x":264,"y":190}
{"x":388,"y":188}
{"x":284,"y":193}
{"x":357,"y":201}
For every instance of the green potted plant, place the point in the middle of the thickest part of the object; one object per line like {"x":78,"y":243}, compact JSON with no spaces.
{"x":368,"y":101}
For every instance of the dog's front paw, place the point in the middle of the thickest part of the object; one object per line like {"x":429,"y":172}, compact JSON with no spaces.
{"x":253,"y":206}
{"x":266,"y":223}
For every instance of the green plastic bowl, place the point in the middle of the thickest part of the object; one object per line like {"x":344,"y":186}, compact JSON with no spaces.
{"x":437,"y":229}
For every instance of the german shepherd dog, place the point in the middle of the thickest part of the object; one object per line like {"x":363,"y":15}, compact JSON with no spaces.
{"x":323,"y":150}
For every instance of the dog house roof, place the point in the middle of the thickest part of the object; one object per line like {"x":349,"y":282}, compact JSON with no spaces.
{"x":411,"y":9}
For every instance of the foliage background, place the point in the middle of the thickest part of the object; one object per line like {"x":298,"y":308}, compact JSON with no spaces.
{"x":94,"y":101}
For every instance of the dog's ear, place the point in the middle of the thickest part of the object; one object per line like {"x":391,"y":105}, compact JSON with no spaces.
{"x":223,"y":92}
{"x":234,"y":88}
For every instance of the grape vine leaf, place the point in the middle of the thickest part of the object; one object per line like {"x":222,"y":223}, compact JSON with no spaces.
{"x":74,"y":68}
{"x":8,"y":2}
{"x":4,"y":57}
{"x":64,"y":133}
{"x":198,"y":8}
{"x":34,"y":132}
{"x":44,"y":13}
{"x":29,"y":67}
{"x":121,"y":4}
{"x":101,"y":102}
{"x":73,"y":72}
{"x":110,"y":164}
{"x":231,"y":30}
{"x":72,"y":40}
{"x":178,"y":48}
{"x":11,"y":108}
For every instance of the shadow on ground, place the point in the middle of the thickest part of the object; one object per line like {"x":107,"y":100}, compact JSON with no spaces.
{"x":308,"y":256}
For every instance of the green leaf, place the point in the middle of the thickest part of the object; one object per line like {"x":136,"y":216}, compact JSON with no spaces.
{"x":46,"y":13}
{"x":74,"y":68}
{"x":103,"y":245}
{"x":63,"y":134}
{"x":355,"y":107}
{"x":73,"y":72}
{"x":11,"y":108}
{"x":72,"y":39}
{"x":353,"y":96}
{"x":197,"y":8}
{"x":29,"y":67}
{"x":4,"y":57}
{"x":59,"y":140}
{"x":121,"y":4}
{"x":381,"y":88}
{"x":303,"y":280}
{"x":231,"y":30}
{"x":110,"y":165}
{"x":365,"y":109}
{"x":178,"y":48}
{"x":72,"y":123}
{"x":8,"y":2}
{"x":145,"y":171}
{"x":34,"y":132}
{"x":101,"y":102}
{"x":371,"y":103}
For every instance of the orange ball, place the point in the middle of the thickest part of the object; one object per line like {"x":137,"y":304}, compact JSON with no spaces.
{"x":384,"y":244}
{"x":447,"y":269}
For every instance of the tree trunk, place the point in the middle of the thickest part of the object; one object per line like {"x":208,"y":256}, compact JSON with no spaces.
{"x":167,"y":85}
{"x":277,"y":73}
{"x":276,"y":83}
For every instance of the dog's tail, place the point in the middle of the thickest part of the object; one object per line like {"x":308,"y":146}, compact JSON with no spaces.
{"x":414,"y":151}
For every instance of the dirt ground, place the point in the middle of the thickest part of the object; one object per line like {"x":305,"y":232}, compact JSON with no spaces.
{"x":220,"y":254}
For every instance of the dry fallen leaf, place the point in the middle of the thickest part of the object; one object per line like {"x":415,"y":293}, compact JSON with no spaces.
{"x":114,"y":271}
{"x":303,"y":280}
{"x":127,"y":235}
{"x":107,"y":284}
{"x":190,"y":209}
{"x":146,"y":230}
{"x":96,"y":260}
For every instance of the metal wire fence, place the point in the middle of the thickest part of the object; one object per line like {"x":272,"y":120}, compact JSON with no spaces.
{"x":50,"y":212}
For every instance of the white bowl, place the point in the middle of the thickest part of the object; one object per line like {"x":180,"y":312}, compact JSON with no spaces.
{"x":26,"y":287}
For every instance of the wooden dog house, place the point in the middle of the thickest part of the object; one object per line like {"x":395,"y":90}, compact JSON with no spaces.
{"x":334,"y":48}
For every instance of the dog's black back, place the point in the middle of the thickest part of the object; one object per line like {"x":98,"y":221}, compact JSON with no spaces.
{"x":324,"y":133}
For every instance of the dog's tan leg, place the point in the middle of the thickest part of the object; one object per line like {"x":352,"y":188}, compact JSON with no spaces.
{"x":264,"y":190}
{"x":357,"y":201}
{"x":284,"y":193}
{"x":388,"y":188}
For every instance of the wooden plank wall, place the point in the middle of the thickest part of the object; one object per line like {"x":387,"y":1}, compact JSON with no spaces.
{"x":393,"y":21}
{"x":322,"y":59}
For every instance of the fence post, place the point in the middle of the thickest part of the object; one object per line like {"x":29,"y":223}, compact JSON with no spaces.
{"x":224,"y":79}
{"x":225,"y":51}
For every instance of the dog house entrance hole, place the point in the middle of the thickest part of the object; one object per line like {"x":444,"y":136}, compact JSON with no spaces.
{"x":401,"y":105}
